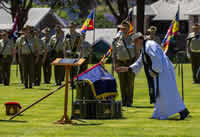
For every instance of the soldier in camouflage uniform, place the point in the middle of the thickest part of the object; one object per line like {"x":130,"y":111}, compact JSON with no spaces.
{"x":26,"y":47}
{"x":7,"y":53}
{"x":124,"y":53}
{"x":57,"y":49}
{"x":46,"y":59}
{"x":194,"y":54}
{"x":38,"y":58}
{"x":72,"y":46}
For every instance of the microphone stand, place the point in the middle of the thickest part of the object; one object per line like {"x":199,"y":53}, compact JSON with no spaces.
{"x":180,"y":59}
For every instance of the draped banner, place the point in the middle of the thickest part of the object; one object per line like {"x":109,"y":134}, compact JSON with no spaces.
{"x":102,"y":83}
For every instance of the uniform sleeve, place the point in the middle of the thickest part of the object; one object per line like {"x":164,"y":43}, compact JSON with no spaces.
{"x":37,"y":44}
{"x":52,"y":41}
{"x":18,"y":43}
{"x":156,"y":54}
{"x":0,"y":45}
{"x":12,"y":44}
{"x":44,"y":45}
{"x":66,"y":44}
{"x":137,"y":66}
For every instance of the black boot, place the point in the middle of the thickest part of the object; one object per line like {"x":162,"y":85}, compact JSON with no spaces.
{"x":184,"y":113}
{"x":30,"y":85}
{"x":26,"y":85}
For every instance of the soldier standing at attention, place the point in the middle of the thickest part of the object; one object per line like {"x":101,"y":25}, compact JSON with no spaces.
{"x":193,"y":52}
{"x":123,"y":54}
{"x":38,"y":57}
{"x":46,"y":53}
{"x":26,"y":47}
{"x":17,"y":60}
{"x":72,"y":46}
{"x":7,"y":55}
{"x":84,"y":53}
{"x":57,"y":51}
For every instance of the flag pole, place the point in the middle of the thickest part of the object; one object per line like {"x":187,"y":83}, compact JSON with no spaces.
{"x":182,"y":82}
{"x":91,"y":50}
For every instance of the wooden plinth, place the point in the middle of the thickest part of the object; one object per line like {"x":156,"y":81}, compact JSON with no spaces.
{"x":65,"y":119}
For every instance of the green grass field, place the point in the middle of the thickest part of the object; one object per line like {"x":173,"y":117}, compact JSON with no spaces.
{"x":39,"y":120}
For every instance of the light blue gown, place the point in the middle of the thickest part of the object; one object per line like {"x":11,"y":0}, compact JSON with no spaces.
{"x":169,"y":100}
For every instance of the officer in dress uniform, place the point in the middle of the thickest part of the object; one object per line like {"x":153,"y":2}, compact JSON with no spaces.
{"x":46,"y":59}
{"x":193,"y":51}
{"x":7,"y":55}
{"x":20,"y":33}
{"x":72,"y":43}
{"x":57,"y":51}
{"x":124,"y":53}
{"x":151,"y":34}
{"x":26,"y":47}
{"x":38,"y":58}
{"x":84,"y":53}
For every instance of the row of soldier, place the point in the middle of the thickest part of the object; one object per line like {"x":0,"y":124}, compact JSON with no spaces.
{"x":48,"y":48}
{"x":32,"y":52}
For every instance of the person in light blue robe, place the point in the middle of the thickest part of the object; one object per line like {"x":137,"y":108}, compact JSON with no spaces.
{"x":161,"y":79}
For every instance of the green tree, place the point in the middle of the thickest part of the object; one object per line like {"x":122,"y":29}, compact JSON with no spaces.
{"x":121,"y":12}
{"x":17,"y":7}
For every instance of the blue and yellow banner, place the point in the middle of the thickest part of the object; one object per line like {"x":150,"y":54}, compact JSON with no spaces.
{"x":89,"y":23}
{"x":130,"y":19}
{"x":172,"y":31}
{"x":102,"y":83}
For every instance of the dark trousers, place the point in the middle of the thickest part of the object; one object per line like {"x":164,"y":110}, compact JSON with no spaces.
{"x":21,"y":73}
{"x":28,"y":70}
{"x":1,"y":77}
{"x":195,"y":60}
{"x":59,"y":71}
{"x":6,"y":65}
{"x":47,"y":70}
{"x":126,"y":80}
{"x":37,"y":71}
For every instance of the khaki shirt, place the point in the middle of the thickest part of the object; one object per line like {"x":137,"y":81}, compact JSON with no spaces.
{"x":121,"y":51}
{"x":46,"y":44}
{"x":41,"y":46}
{"x":9,"y":47}
{"x":28,"y":46}
{"x":190,"y":45}
{"x":70,"y":42}
{"x":56,"y":43}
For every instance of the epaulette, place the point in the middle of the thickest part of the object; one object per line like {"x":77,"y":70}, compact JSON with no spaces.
{"x":191,"y":35}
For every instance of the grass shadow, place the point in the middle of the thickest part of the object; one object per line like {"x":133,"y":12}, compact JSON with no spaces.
{"x":142,"y":107}
{"x":44,"y":89}
{"x":13,"y":121}
{"x":175,"y":118}
{"x":100,"y":119}
{"x":87,"y":124}
{"x":16,"y":84}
